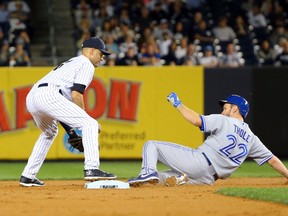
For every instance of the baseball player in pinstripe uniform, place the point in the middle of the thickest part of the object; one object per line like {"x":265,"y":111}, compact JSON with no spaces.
{"x":58,"y":96}
{"x":229,"y":143}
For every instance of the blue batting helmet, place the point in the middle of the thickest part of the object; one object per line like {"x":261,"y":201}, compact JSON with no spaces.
{"x":239,"y":101}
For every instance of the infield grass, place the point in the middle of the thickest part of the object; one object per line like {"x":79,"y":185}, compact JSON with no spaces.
{"x":279,"y":195}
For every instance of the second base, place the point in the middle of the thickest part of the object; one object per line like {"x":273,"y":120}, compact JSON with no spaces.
{"x":102,"y":184}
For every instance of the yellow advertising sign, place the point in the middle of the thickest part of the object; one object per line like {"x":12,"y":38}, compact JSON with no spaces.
{"x":129,"y":103}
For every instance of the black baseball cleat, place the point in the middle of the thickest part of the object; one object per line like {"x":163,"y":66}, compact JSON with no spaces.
{"x":97,"y":174}
{"x":27,"y":182}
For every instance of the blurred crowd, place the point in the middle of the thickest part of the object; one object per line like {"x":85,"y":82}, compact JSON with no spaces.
{"x":222,"y":33}
{"x":15,"y":33}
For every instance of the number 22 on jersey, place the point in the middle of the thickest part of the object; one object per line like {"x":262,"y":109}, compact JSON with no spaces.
{"x":239,"y":150}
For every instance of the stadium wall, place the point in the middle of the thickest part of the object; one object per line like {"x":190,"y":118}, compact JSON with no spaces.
{"x":130,"y":104}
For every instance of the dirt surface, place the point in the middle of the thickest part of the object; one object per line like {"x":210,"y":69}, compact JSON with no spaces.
{"x":71,"y":198}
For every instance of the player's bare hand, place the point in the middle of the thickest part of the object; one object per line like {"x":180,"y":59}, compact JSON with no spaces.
{"x":174,"y":99}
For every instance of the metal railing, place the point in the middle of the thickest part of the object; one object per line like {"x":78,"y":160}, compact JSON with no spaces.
{"x":51,"y":33}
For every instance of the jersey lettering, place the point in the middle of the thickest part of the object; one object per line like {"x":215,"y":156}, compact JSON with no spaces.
{"x":59,"y":66}
{"x":242,"y":149}
{"x":243,"y":134}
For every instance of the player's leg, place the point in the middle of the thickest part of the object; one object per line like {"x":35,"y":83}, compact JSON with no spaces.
{"x":180,"y":159}
{"x":49,"y":132}
{"x":149,"y":172}
{"x":70,"y":114}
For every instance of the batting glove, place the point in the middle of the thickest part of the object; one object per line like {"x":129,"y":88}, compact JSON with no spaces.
{"x":174,"y":99}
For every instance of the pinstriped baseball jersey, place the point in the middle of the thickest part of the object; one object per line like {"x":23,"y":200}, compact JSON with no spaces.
{"x":76,"y":70}
{"x":230,"y":142}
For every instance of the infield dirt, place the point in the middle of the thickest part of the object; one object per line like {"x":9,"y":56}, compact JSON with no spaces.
{"x":71,"y":198}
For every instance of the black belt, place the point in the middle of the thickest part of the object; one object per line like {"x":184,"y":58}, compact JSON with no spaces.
{"x":215,"y":176}
{"x":42,"y":85}
{"x":45,"y":85}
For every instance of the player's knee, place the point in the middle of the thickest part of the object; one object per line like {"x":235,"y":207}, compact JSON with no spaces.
{"x":148,"y":144}
{"x":92,"y":123}
{"x":51,"y":134}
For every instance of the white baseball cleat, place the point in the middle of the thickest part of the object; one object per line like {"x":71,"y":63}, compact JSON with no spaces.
{"x":177,"y":180}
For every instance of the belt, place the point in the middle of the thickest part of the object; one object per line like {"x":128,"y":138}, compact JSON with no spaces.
{"x":45,"y":85}
{"x":42,"y":85}
{"x":215,"y":176}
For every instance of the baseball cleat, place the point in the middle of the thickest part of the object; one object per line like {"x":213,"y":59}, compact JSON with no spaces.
{"x":97,"y":174}
{"x":27,"y":182}
{"x":177,"y":180}
{"x":151,"y":178}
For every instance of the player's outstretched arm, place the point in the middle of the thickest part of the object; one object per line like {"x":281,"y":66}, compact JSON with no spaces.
{"x":187,"y":113}
{"x":277,"y":164}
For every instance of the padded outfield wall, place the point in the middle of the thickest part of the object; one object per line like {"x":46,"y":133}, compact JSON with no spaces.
{"x":130,"y":104}
{"x":266,"y":89}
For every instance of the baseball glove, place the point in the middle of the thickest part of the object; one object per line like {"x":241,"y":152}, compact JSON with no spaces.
{"x":76,"y":142}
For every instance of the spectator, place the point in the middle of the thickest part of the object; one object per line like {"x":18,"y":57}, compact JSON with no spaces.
{"x":111,"y":46}
{"x":164,"y":45}
{"x":278,"y":33}
{"x":231,"y":57}
{"x":124,"y":31}
{"x":157,"y":13}
{"x":13,"y":4}
{"x":110,"y":61}
{"x":170,"y":58}
{"x":143,"y":20}
{"x":241,"y":26}
{"x":161,"y":28}
{"x":223,"y":32}
{"x":179,"y":31}
{"x":282,"y":58}
{"x":105,"y":30}
{"x":20,"y":57}
{"x":82,"y":10}
{"x":4,"y":54}
{"x":265,"y":54}
{"x":203,"y":34}
{"x":124,"y":17}
{"x":2,"y":37}
{"x":194,"y":5}
{"x":209,"y":59}
{"x":278,"y":48}
{"x":4,"y":19}
{"x":20,"y":17}
{"x":100,"y":15}
{"x":145,"y":37}
{"x":81,"y":31}
{"x":181,"y":51}
{"x":85,"y":35}
{"x":130,"y":58}
{"x":24,"y":38}
{"x":150,"y":56}
{"x":177,"y":11}
{"x":129,"y":42}
{"x":256,"y":18}
{"x":193,"y":26}
{"x":191,"y":57}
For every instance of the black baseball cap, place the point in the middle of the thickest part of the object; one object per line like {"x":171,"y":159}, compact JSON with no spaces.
{"x":96,"y":43}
